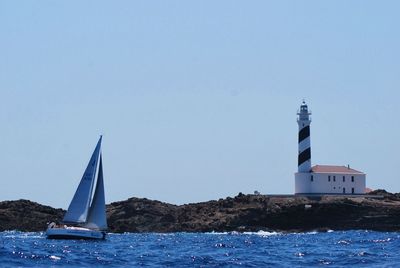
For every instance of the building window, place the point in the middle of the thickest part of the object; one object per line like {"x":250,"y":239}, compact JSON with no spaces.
{"x":334,"y":178}
{"x":352,"y":178}
{"x":344,"y":178}
{"x":329,"y":178}
{"x":352,"y":190}
{"x":312,"y":178}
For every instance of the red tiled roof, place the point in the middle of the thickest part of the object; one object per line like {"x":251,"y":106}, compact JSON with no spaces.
{"x":334,"y":169}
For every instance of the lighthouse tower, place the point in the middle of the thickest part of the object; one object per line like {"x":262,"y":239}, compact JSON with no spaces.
{"x":303,"y":176}
{"x":304,"y":120}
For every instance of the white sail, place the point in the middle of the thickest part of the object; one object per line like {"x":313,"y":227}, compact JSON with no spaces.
{"x":97,"y":213}
{"x":78,"y":209}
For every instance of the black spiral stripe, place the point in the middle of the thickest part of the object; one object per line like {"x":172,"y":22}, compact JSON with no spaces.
{"x":304,"y":133}
{"x":304,"y":156}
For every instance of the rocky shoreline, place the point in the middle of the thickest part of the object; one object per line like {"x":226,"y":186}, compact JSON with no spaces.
{"x":378,"y":211}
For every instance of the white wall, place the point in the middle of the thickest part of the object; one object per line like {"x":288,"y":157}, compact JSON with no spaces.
{"x":321,"y":184}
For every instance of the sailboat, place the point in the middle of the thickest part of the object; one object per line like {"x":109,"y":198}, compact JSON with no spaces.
{"x":86,"y":214}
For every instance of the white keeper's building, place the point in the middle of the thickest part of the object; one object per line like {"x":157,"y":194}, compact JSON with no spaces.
{"x":322,"y":179}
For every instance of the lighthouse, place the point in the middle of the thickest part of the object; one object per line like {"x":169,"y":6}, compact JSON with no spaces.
{"x":304,"y":120}
{"x":322,"y":179}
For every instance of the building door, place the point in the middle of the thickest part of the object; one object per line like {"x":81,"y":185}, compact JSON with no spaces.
{"x":352,"y":190}
{"x":344,"y":190}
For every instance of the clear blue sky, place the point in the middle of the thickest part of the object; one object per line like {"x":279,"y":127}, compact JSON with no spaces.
{"x":196,"y":100}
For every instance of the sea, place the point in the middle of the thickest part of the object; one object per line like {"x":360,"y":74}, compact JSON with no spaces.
{"x":259,"y":249}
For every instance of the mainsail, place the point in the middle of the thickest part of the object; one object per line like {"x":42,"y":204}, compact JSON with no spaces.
{"x":97,"y":212}
{"x":78,"y":209}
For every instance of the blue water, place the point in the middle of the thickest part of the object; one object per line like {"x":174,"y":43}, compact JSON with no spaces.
{"x":262,"y":249}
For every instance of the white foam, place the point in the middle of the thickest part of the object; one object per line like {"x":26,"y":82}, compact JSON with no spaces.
{"x":25,"y":235}
{"x":54,"y":258}
{"x":262,"y":233}
{"x":259,"y":233}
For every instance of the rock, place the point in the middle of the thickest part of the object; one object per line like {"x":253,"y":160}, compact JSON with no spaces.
{"x":386,"y":194}
{"x":241,"y":213}
{"x":25,"y":215}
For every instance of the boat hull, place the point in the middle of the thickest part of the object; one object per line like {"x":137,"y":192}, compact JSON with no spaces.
{"x":74,"y":233}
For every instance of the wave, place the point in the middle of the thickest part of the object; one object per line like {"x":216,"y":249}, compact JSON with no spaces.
{"x":259,"y":233}
{"x":263,"y":233}
{"x":19,"y":234}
